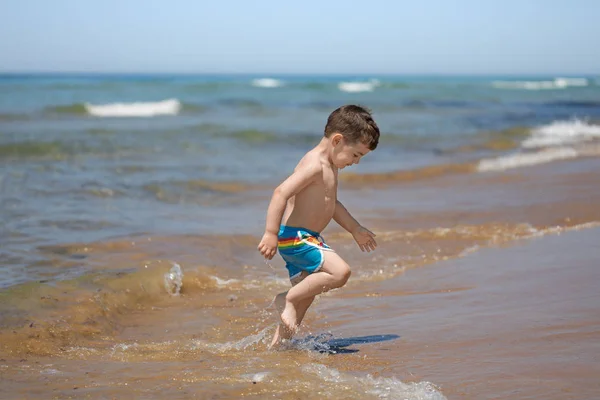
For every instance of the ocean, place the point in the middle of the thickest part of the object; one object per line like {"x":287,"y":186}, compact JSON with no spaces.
{"x":132,"y":206}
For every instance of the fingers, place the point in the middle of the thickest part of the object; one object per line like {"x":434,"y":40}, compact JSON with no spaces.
{"x":368,"y":246}
{"x":370,"y":243}
{"x":266,"y":251}
{"x":262,"y":248}
{"x":268,"y":255}
{"x":373,"y":243}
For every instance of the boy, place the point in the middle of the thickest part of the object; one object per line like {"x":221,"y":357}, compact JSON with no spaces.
{"x":304,"y":204}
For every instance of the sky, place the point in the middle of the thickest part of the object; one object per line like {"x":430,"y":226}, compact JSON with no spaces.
{"x":310,"y":36}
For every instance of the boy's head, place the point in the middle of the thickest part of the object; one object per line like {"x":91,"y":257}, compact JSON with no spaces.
{"x":352,"y":132}
{"x":355,"y":124}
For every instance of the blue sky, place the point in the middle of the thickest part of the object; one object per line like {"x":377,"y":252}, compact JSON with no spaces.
{"x":309,"y":36}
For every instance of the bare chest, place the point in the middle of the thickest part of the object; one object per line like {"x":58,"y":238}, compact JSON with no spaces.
{"x":329,"y":184}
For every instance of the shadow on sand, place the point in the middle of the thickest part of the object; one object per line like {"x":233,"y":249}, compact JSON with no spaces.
{"x":326,"y":343}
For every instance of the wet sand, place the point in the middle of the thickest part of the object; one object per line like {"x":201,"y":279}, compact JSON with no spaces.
{"x":512,"y":322}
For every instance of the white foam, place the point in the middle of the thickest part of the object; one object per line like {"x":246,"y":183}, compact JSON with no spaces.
{"x":123,"y":347}
{"x":383,"y":388}
{"x":258,"y":377}
{"x":356,"y":87}
{"x":566,"y":82}
{"x":526,"y":159}
{"x":138,"y":109}
{"x":224,"y":282}
{"x":242,"y":344}
{"x":560,"y":140}
{"x":267,"y":83}
{"x":556,"y":83}
{"x":468,"y":250}
{"x":50,"y":371}
{"x":561,"y":133}
{"x":557,"y":230}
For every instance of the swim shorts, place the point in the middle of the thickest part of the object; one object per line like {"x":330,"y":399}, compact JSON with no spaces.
{"x":301,"y":249}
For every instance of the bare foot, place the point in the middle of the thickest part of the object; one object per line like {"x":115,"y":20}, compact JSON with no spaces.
{"x":289,"y":319}
{"x":279,"y":303}
{"x":287,"y":325}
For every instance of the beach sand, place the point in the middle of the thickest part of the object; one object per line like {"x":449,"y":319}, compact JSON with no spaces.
{"x":519,"y":322}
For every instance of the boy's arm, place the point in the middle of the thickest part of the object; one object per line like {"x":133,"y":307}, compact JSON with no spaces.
{"x":342,"y":216}
{"x":364,"y":237}
{"x":301,"y":178}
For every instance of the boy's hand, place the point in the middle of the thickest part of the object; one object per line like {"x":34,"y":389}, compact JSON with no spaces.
{"x":268,"y":245}
{"x":365,"y":239}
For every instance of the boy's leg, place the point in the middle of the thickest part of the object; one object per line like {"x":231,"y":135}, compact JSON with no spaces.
{"x":281,"y":332}
{"x":304,"y":304}
{"x":284,"y":333}
{"x":302,"y":308}
{"x":333,"y":274}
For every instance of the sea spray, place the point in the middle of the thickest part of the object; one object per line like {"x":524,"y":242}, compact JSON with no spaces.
{"x":174,"y":280}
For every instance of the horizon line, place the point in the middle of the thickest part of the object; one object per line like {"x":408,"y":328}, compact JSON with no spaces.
{"x":267,"y":74}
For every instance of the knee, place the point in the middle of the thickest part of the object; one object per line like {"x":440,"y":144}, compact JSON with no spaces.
{"x":342,"y":276}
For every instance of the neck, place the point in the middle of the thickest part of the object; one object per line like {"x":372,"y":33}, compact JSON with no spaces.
{"x":324,"y":147}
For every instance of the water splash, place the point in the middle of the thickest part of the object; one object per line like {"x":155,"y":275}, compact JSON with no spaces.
{"x":313,"y":343}
{"x":383,"y":388}
{"x":258,"y":377}
{"x":243,"y":344}
{"x":174,"y":280}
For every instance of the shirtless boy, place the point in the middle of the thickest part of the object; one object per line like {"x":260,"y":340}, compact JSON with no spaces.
{"x":304,"y":204}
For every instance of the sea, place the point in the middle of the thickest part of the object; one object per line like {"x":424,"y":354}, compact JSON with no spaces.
{"x":131,"y":206}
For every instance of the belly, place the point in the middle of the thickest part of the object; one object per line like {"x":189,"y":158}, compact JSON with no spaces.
{"x":312,"y":212}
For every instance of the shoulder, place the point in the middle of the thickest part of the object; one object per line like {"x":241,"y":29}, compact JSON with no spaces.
{"x":311,"y":164}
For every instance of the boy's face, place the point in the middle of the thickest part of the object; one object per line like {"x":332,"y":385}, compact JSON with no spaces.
{"x":346,"y":154}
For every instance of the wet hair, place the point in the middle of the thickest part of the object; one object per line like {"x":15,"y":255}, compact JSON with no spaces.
{"x":355,"y":124}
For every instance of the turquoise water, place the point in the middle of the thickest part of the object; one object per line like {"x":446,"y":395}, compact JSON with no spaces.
{"x":91,"y":157}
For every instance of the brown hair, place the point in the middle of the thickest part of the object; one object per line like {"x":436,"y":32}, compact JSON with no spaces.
{"x":355,"y":123}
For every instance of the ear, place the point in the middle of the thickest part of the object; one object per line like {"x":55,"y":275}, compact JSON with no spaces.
{"x":337,"y":138}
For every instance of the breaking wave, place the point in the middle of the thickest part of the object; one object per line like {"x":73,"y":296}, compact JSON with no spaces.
{"x":135,"y":109}
{"x":560,"y":133}
{"x":357,"y":87}
{"x":165,"y":107}
{"x":267,"y":83}
{"x":554,"y":84}
{"x":560,"y":140}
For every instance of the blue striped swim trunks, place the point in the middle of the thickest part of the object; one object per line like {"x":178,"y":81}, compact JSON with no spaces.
{"x":301,"y":249}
